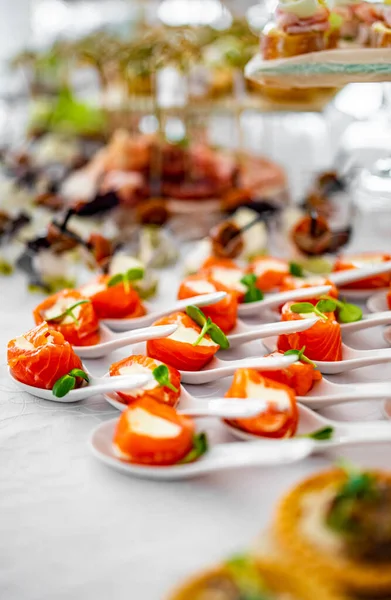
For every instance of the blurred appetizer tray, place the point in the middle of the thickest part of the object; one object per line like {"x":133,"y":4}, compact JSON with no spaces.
{"x":323,"y":69}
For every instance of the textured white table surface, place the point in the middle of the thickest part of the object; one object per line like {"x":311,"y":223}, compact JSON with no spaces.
{"x":70,"y":528}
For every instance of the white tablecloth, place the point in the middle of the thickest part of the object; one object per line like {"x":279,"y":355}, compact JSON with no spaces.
{"x":71,"y":528}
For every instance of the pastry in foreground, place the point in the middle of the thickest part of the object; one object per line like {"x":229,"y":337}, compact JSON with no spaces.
{"x":246,"y":578}
{"x":339,"y":522}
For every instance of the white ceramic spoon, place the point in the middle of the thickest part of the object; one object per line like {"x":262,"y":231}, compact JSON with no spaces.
{"x":153,"y":314}
{"x":374,"y":432}
{"x":218,"y":457}
{"x":97,"y":385}
{"x":272,"y":301}
{"x":244,"y":332}
{"x":111,"y":341}
{"x":327,"y":393}
{"x":217,"y":368}
{"x":210,"y":407}
{"x":378,"y":302}
{"x":352,"y":359}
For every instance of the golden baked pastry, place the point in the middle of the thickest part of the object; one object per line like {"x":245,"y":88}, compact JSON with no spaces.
{"x":339,"y":522}
{"x":243,"y":578}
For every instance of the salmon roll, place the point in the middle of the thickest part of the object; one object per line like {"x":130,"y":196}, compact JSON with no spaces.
{"x":151,"y":433}
{"x":223,"y":313}
{"x":113,"y":300}
{"x":143,"y":365}
{"x":41,"y":356}
{"x":72,"y":314}
{"x":322,"y":341}
{"x":361,"y":261}
{"x":301,"y":376}
{"x":185,"y":349}
{"x":227,"y":273}
{"x":281,"y":417}
{"x":270,"y":272}
{"x":296,"y":283}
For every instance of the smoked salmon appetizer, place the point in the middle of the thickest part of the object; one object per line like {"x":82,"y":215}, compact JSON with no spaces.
{"x":72,"y":314}
{"x":165,"y":388}
{"x":281,"y":418}
{"x":226,"y":272}
{"x":322,"y":341}
{"x":113,"y":299}
{"x":291,"y":282}
{"x":360,"y":261}
{"x":301,"y":376}
{"x":389,"y":299}
{"x":41,"y":356}
{"x":189,"y":348}
{"x":151,"y":433}
{"x":270,"y":272}
{"x":223,"y":313}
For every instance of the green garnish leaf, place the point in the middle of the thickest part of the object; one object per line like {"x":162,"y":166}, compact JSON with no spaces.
{"x":79,"y":373}
{"x":301,"y":356}
{"x":326,"y":306}
{"x":131,"y":275}
{"x":134,"y":274}
{"x":335,"y":20}
{"x":302,"y":307}
{"x":208,"y":327}
{"x":249,"y":279}
{"x":200,"y":447}
{"x":68,"y":312}
{"x":162,"y":376}
{"x":115,"y":279}
{"x":346,"y":312}
{"x":247,"y":578}
{"x":253,"y":294}
{"x":218,"y":336}
{"x":63,"y":385}
{"x":307,"y":307}
{"x":349,"y":313}
{"x":296,"y":270}
{"x":360,"y":486}
{"x":325,"y":433}
{"x":196,"y":314}
{"x":66,"y":383}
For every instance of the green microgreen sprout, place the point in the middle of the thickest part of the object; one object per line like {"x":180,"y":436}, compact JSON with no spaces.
{"x":346,"y":312}
{"x":208,"y":327}
{"x":300,"y":356}
{"x":68,"y":312}
{"x":296,"y":270}
{"x":66,"y":383}
{"x":162,"y":376}
{"x":200,"y":447}
{"x":323,"y":306}
{"x":253,"y":294}
{"x":125,"y":278}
